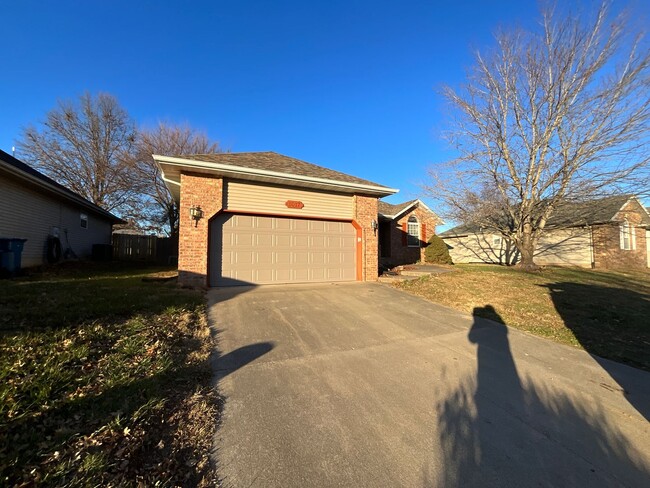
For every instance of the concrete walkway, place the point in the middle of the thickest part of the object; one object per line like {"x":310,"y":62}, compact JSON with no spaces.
{"x":363,"y":385}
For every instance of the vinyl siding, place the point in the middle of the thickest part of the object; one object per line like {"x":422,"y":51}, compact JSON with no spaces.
{"x":479,"y":248}
{"x":247,"y":197}
{"x":565,"y":247}
{"x":28,"y":212}
{"x":570,"y":247}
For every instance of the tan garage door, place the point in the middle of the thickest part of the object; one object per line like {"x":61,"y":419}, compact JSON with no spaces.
{"x":248,"y":249}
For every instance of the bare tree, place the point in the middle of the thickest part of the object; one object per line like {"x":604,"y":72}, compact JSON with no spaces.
{"x":87,"y":147}
{"x":548,"y":117}
{"x":159,"y":208}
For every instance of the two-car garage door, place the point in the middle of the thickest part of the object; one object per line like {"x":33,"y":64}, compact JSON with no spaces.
{"x":250,"y":249}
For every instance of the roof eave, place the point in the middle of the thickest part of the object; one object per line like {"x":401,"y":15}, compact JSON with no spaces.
{"x":242,"y":172}
{"x":61,"y":193}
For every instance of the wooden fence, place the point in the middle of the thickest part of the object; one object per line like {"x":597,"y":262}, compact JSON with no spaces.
{"x":128,"y":247}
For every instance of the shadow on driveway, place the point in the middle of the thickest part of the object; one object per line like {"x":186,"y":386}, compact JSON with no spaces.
{"x":498,"y":429}
{"x":615,"y":324}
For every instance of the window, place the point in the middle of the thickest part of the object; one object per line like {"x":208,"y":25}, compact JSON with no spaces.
{"x":413,"y":232}
{"x":628,"y":237}
{"x":83,"y":220}
{"x":496,"y":241}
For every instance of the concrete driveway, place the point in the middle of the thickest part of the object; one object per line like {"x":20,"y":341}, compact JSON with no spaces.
{"x":363,"y":385}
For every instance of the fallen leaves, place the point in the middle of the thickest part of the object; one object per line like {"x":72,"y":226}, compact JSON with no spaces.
{"x":99,"y":402}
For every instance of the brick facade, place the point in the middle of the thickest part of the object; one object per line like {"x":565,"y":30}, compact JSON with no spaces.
{"x":400,"y":252}
{"x":207,"y":193}
{"x":607,"y":241}
{"x":365,"y":211}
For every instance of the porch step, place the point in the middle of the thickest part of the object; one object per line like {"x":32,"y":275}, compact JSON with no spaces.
{"x":395,"y":278}
{"x":414,"y":272}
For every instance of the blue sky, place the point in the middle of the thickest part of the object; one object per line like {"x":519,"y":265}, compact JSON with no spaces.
{"x":351,"y":85}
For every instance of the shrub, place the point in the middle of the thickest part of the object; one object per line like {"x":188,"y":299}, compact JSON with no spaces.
{"x":437,"y":252}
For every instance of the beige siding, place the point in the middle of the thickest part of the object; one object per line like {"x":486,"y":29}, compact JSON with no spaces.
{"x":480,"y":248}
{"x":31,"y":213}
{"x":565,"y":247}
{"x":247,"y":197}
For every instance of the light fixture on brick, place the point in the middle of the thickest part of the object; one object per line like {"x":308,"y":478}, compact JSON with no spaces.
{"x":197,"y":214}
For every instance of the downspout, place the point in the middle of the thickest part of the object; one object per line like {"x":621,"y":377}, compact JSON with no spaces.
{"x":591,"y":246}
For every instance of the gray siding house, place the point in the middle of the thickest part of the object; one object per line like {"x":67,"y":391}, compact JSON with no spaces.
{"x":35,"y":207}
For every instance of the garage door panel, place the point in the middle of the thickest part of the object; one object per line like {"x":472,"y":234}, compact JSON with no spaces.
{"x":282,"y":224}
{"x":301,"y":240}
{"x":265,"y":240}
{"x":260,"y":249}
{"x":264,"y":223}
{"x":282,"y":241}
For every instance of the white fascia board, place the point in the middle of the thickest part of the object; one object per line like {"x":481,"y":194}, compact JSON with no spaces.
{"x":416,"y":202}
{"x":409,"y":207}
{"x":230,"y":169}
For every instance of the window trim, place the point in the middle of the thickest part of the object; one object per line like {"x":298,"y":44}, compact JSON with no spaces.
{"x":413,"y":221}
{"x":627,"y":232}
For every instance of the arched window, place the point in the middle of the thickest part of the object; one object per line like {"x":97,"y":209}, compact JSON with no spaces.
{"x":628,"y":237}
{"x":413,"y":231}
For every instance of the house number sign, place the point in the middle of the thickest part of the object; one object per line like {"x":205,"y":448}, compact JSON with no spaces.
{"x":294,"y":204}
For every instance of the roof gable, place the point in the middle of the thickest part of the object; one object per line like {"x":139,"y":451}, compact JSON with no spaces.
{"x":392,"y":212}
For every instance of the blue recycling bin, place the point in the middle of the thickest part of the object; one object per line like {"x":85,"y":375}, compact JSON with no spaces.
{"x":13,"y":247}
{"x":7,"y":263}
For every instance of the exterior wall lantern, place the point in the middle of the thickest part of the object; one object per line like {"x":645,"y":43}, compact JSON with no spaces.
{"x":197,"y":214}
{"x":374,"y":226}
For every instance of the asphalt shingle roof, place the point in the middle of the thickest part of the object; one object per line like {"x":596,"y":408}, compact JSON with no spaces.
{"x":389,"y":209}
{"x":570,"y":214}
{"x":271,"y":161}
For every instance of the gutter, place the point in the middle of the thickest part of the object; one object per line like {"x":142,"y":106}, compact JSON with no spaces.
{"x":592,"y":257}
{"x":238,"y":170}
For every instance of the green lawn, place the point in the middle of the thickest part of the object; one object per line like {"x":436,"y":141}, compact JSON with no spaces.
{"x":605,"y":312}
{"x":104,"y":379}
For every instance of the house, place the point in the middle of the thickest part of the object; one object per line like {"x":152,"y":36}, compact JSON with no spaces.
{"x":263,"y":218}
{"x":404,"y":231}
{"x":53,"y":219}
{"x":610,"y":232}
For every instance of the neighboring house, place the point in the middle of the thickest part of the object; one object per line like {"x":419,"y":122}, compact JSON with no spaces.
{"x":404,"y":231}
{"x":36,"y":208}
{"x":259,"y":218}
{"x":609,"y":232}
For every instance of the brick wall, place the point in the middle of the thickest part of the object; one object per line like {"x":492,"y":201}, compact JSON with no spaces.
{"x":401,"y":253}
{"x":365,"y":211}
{"x":607,"y":241}
{"x":193,"y":237}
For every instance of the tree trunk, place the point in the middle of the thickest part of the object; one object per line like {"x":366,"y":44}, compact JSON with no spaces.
{"x":526,"y":246}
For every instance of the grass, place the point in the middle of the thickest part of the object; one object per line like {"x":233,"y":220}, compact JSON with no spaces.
{"x":104,"y":380}
{"x":606,"y":313}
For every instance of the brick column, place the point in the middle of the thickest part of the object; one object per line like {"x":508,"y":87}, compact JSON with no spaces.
{"x":365,"y":211}
{"x":206,"y":192}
